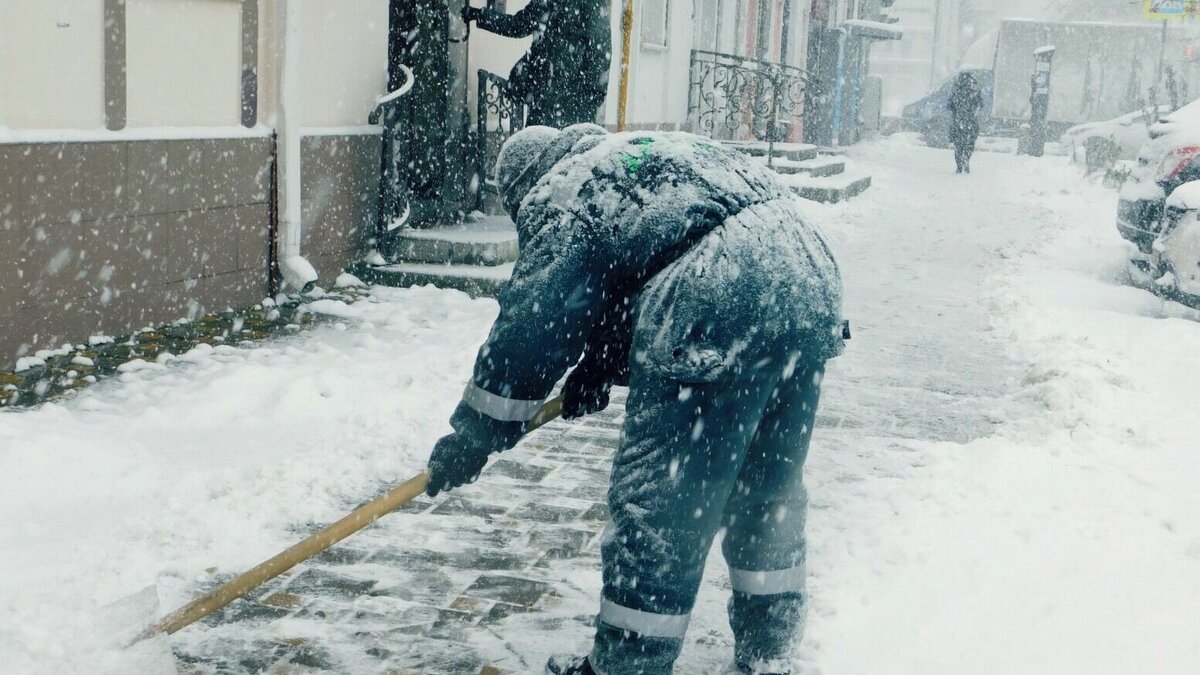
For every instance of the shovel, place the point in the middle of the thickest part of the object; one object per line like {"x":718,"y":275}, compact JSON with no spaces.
{"x":298,"y":553}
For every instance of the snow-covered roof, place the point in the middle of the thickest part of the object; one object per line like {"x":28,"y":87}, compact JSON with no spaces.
{"x":1044,"y":50}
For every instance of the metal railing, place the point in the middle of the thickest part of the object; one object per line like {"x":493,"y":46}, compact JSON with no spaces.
{"x":732,"y":96}
{"x":499,"y":117}
{"x":393,"y":207}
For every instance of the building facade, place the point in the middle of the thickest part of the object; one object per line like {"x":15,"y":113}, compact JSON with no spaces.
{"x":161,"y":159}
{"x":935,"y":37}
{"x":142,"y":165}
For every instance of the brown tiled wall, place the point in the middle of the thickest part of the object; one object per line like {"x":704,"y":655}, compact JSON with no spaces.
{"x":110,"y":237}
{"x":340,"y":191}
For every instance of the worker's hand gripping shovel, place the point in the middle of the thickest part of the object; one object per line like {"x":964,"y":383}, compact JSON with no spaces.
{"x":353,"y":522}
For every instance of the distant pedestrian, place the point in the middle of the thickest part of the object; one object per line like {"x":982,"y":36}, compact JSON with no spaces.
{"x":966,"y":100}
{"x":563,"y":78}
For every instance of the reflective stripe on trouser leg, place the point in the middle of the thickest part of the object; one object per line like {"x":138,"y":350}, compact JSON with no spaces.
{"x":771,"y":582}
{"x":647,"y":624}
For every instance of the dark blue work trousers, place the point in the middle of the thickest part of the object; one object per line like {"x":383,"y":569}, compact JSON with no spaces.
{"x":696,"y":458}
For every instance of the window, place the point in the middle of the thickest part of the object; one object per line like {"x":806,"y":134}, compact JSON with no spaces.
{"x":707,"y":23}
{"x":762,"y":37}
{"x":654,"y":23}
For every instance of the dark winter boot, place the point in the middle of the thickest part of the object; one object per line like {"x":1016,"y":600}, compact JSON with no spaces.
{"x":568,"y":665}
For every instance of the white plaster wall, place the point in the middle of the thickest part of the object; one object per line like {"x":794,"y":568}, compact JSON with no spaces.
{"x":183,"y":62}
{"x":659,"y":78}
{"x":51,"y":64}
{"x":608,"y":112}
{"x":344,"y":61}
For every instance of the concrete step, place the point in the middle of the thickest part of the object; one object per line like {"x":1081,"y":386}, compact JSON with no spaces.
{"x":819,"y":166}
{"x":474,"y":280}
{"x":482,"y":240}
{"x":823,"y":166}
{"x":831,"y":189}
{"x":796,"y":152}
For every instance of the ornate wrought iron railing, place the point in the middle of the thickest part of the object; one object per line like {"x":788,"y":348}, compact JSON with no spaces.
{"x":731,"y":97}
{"x":499,"y":117}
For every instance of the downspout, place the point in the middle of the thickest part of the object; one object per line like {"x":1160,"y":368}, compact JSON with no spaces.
{"x":839,"y":86}
{"x":297,"y":272}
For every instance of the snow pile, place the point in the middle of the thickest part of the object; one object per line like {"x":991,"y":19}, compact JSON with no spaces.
{"x":1067,"y":540}
{"x":1105,"y":467}
{"x":169,"y":475}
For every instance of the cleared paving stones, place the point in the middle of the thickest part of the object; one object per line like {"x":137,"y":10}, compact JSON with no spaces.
{"x":436,"y":587}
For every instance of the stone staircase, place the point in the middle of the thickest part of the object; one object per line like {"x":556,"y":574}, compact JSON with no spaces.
{"x":475,"y":257}
{"x":819,"y":174}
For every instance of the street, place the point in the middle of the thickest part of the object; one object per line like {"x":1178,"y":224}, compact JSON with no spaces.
{"x":1003,"y":480}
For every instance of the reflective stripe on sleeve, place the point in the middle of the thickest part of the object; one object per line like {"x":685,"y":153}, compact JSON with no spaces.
{"x":644,"y":623}
{"x":499,"y":408}
{"x":768,"y":582}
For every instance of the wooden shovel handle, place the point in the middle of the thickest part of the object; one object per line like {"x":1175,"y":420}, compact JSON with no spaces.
{"x":298,"y":553}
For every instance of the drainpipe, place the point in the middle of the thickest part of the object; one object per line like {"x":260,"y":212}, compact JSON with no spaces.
{"x":297,"y":272}
{"x":839,"y":86}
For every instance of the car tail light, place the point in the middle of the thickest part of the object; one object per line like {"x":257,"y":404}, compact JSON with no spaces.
{"x":1177,"y":161}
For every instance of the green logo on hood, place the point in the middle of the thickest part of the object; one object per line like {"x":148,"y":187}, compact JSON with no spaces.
{"x":633,"y":162}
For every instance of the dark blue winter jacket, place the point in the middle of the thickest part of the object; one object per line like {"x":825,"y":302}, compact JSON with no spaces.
{"x":709,"y":248}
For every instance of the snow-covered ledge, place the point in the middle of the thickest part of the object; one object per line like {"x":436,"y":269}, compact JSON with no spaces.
{"x":32,"y":136}
{"x":875,"y":30}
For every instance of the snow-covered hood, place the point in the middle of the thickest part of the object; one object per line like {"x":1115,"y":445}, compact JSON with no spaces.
{"x":1180,"y":121}
{"x":1186,"y":197}
{"x":562,"y":146}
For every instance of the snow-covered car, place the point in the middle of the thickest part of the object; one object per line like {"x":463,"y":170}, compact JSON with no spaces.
{"x":1176,"y":252}
{"x":1169,"y":159}
{"x":1129,"y":132}
{"x":1159,"y":207}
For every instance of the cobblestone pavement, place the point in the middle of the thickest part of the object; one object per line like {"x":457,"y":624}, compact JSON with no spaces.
{"x":444,"y":586}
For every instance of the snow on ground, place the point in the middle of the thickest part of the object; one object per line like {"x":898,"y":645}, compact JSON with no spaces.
{"x":1004,"y":481}
{"x":1067,"y":538}
{"x":160,"y":475}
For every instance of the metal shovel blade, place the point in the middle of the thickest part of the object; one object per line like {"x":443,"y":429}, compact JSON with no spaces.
{"x":121,"y":623}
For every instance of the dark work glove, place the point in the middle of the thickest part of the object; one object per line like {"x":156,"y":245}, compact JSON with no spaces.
{"x":453,"y":464}
{"x":470,"y":13}
{"x":584,"y":393}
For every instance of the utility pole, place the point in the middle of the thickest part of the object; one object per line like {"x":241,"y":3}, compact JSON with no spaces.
{"x":1162,"y":58}
{"x":937,"y":38}
{"x":626,"y":54}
